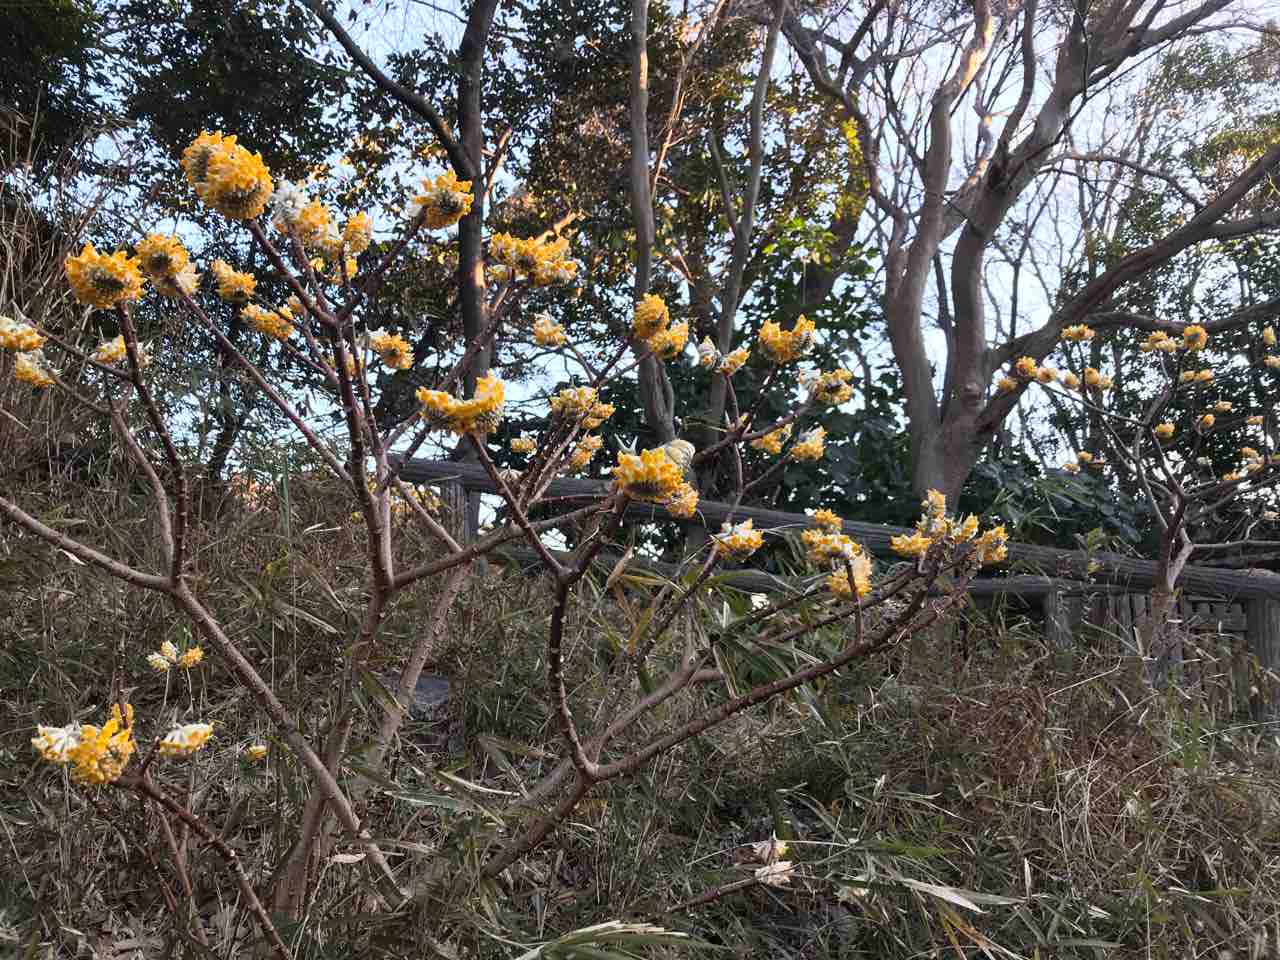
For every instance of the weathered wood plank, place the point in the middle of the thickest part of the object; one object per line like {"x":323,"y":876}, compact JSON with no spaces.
{"x":1069,"y":564}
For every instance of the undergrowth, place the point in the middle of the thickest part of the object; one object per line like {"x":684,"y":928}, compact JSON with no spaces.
{"x":993,"y":799}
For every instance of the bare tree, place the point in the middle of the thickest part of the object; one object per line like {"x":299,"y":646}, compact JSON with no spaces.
{"x":966,"y":117}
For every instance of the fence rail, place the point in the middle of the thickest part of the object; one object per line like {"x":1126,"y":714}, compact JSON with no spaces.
{"x":1052,"y":578}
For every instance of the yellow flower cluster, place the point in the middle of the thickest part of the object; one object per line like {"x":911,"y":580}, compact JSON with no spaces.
{"x":1006,"y":384}
{"x":832,"y":388}
{"x":934,"y":526}
{"x":313,"y":224}
{"x":269,"y":323}
{"x":586,"y":449}
{"x":582,"y":405}
{"x":1160,"y":341}
{"x":392,"y":349}
{"x":97,"y":755}
{"x":1255,"y":420}
{"x":1272,"y":363}
{"x":1194,"y":338}
{"x":728,"y":364}
{"x":163,"y":257}
{"x":480,"y":415}
{"x":826,"y":547}
{"x":185,"y":740}
{"x":357,"y":233}
{"x":838,"y":582}
{"x":828,"y":521}
{"x":233,"y":286}
{"x":1195,"y":376}
{"x":543,"y":260}
{"x":115,"y":351}
{"x":226,"y":176}
{"x":1077,"y":333}
{"x":441,"y":202}
{"x":548,"y":333}
{"x":167,"y":656}
{"x":255,"y":752}
{"x":783,"y":346}
{"x":651,"y":476}
{"x":525,"y":445}
{"x":1046,"y":375}
{"x":1223,"y":406}
{"x":669,"y":343}
{"x":1164,"y":430}
{"x":771,"y":443}
{"x":104,"y":281}
{"x":1206,"y":421}
{"x":1097,"y":380}
{"x":651,"y":316}
{"x":683,"y":503}
{"x":1026,"y":368}
{"x":32,"y":368}
{"x":737,"y":541}
{"x":19,"y":336}
{"x":810,"y":446}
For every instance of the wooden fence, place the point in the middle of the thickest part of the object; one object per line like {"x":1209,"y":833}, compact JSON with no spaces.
{"x":1099,"y":593}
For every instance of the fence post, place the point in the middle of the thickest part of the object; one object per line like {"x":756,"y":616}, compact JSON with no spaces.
{"x":1262,"y":620}
{"x":457,"y":505}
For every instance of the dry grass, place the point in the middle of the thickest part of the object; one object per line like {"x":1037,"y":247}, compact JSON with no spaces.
{"x":1077,"y":822}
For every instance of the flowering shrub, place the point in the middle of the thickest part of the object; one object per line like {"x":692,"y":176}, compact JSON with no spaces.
{"x":320,"y":328}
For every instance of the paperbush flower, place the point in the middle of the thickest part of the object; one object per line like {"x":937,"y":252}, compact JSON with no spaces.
{"x":1006,"y":384}
{"x":1071,"y":467}
{"x":191,"y":657}
{"x":357,"y":233}
{"x":825,"y":547}
{"x":910,"y":545}
{"x":810,"y":446}
{"x":1026,"y":368}
{"x":1084,"y":456}
{"x":784,"y":346}
{"x":651,"y":476}
{"x":269,"y":323}
{"x":771,"y":443}
{"x":104,"y":281}
{"x":992,"y":546}
{"x":97,"y":755}
{"x":1254,"y":421}
{"x":733,"y":361}
{"x":586,"y":449}
{"x":392,"y":349}
{"x":708,"y":355}
{"x":1272,"y":362}
{"x":1164,"y":430}
{"x":238,"y":185}
{"x":681,"y":453}
{"x":547,"y":333}
{"x":1158,"y":340}
{"x":523,"y":445}
{"x":838,"y":582}
{"x":1046,"y":375}
{"x":256,"y":752}
{"x":1194,"y":337}
{"x":828,"y":521}
{"x":582,"y":405}
{"x":186,"y":740}
{"x":832,"y":388}
{"x":19,"y":336}
{"x":32,"y":368}
{"x":1269,"y":336}
{"x":737,"y":541}
{"x":114,"y":351}
{"x":1077,"y":333}
{"x":651,"y":317}
{"x":287,"y":204}
{"x":162,"y":257}
{"x":1070,"y":381}
{"x":441,"y":202}
{"x":1206,"y":421}
{"x":669,"y":343}
{"x":1223,"y":406}
{"x":233,"y":286}
{"x":312,"y":224}
{"x":683,"y":503}
{"x":478,"y":416}
{"x":183,"y":283}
